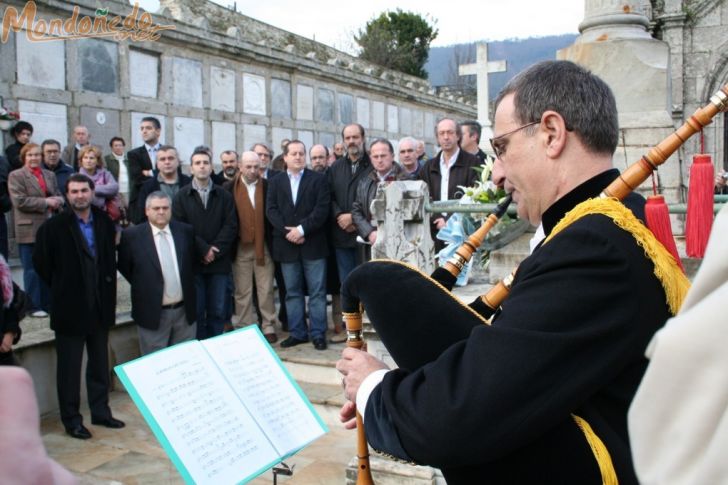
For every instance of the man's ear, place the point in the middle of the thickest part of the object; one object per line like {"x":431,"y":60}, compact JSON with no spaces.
{"x":554,"y":129}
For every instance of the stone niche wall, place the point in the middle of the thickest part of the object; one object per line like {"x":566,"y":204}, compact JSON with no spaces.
{"x":697,"y":33}
{"x":220,"y":79}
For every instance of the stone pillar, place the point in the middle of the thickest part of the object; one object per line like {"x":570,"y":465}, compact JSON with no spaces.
{"x":615,"y":45}
{"x":403,"y":226}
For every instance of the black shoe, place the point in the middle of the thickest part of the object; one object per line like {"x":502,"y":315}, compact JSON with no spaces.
{"x":319,"y":343}
{"x":79,"y":432}
{"x":292,"y":342}
{"x":109,"y":422}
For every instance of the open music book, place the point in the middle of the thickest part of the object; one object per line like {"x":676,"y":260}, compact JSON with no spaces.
{"x":224,"y":409}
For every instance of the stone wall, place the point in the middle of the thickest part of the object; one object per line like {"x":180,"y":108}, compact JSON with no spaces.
{"x":697,"y":33}
{"x":219,"y":78}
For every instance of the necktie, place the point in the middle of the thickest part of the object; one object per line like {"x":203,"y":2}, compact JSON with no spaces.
{"x":172,"y":290}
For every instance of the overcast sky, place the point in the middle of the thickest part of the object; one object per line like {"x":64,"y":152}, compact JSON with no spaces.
{"x":334,"y":22}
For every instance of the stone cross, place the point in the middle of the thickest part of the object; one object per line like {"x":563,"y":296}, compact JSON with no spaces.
{"x":481,"y":69}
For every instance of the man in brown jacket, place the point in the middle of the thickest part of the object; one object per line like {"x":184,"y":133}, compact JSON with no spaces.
{"x":253,"y":265}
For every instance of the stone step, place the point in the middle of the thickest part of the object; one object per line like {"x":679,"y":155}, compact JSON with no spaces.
{"x":311,"y":366}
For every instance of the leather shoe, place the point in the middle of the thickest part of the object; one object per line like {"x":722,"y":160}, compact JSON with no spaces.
{"x":292,"y":342}
{"x":109,"y":422}
{"x":79,"y":432}
{"x":319,"y":343}
{"x":271,"y":338}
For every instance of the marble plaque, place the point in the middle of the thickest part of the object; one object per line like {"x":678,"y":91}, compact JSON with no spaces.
{"x":362,"y":112}
{"x":280,"y":98}
{"x":378,"y":115}
{"x":253,"y":134}
{"x":49,"y":120}
{"x":223,"y":138}
{"x":136,"y":136}
{"x":418,"y":124}
{"x":346,"y":108}
{"x":102,"y":124}
{"x":41,"y":64}
{"x":304,"y":102}
{"x":429,"y":125}
{"x":188,"y":134}
{"x":325,"y":106}
{"x":98,"y":63}
{"x":253,"y":94}
{"x":327,"y":139}
{"x":392,"y":119}
{"x":186,"y":82}
{"x":307,"y":138}
{"x":143,"y":74}
{"x":405,"y":121}
{"x":279,"y":134}
{"x":222,"y":89}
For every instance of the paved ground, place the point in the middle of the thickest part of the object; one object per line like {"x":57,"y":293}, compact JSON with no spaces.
{"x":133,"y":456}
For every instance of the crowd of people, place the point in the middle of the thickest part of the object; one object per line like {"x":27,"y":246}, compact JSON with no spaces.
{"x":204,"y":253}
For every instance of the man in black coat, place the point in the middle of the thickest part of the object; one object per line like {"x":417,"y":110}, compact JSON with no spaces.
{"x":344,"y":177}
{"x":210,"y":210}
{"x":167,"y":177}
{"x":141,"y":161}
{"x":540,"y":395}
{"x":163,"y":298}
{"x":297,"y":205}
{"x":451,"y":168}
{"x":75,"y":256}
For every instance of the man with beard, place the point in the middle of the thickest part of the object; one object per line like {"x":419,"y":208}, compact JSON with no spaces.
{"x":75,"y":255}
{"x":168,"y":178}
{"x":229,"y":161}
{"x":318,"y":155}
{"x":344,"y":177}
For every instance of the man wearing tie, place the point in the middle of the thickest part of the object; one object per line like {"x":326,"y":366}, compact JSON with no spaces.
{"x":157,"y":258}
{"x":140,"y":160}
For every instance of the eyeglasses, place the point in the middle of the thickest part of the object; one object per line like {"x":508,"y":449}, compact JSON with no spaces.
{"x":498,"y":143}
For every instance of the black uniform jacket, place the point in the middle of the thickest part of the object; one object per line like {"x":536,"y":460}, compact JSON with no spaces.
{"x":496,"y":406}
{"x":83,"y":286}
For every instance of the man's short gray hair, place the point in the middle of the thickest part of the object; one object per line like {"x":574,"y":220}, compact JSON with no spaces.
{"x":584,"y":101}
{"x":157,"y":194}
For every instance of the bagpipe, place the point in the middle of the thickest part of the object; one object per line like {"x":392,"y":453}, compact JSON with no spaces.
{"x":416,"y":315}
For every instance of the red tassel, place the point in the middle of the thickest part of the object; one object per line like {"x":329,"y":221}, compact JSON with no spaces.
{"x":658,"y":221}
{"x":700,"y":206}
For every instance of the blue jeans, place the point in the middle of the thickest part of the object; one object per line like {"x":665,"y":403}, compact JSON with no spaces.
{"x":314,"y":271}
{"x":345,"y":261}
{"x":37,"y":290}
{"x":211,"y":295}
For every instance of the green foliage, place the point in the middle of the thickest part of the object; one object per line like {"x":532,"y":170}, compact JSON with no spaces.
{"x":397,"y":40}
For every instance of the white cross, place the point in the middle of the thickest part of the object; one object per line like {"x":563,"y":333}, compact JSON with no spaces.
{"x":481,"y":69}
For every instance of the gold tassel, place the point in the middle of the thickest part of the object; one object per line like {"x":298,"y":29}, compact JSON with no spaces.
{"x":673,"y":280}
{"x":604,"y":459}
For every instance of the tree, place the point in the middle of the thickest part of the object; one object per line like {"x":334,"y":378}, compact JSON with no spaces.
{"x":397,"y":40}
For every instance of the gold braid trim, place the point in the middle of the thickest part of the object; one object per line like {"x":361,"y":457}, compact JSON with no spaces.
{"x":672,"y":278}
{"x":604,"y":459}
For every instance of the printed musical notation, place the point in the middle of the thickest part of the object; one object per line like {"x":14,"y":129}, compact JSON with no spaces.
{"x":224,"y":409}
{"x":266,"y":390}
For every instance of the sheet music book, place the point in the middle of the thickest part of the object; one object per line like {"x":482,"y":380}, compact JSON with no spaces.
{"x":224,"y":409}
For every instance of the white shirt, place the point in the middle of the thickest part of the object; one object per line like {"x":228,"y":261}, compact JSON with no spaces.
{"x":445,"y":166}
{"x":123,"y":174}
{"x":152,"y":150}
{"x":251,"y":190}
{"x":156,"y":235}
{"x":295,"y":180}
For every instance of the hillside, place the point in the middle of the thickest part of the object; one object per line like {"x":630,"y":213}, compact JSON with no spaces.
{"x":519,"y":53}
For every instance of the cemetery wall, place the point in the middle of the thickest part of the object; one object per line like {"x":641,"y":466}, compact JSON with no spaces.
{"x":218,"y":78}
